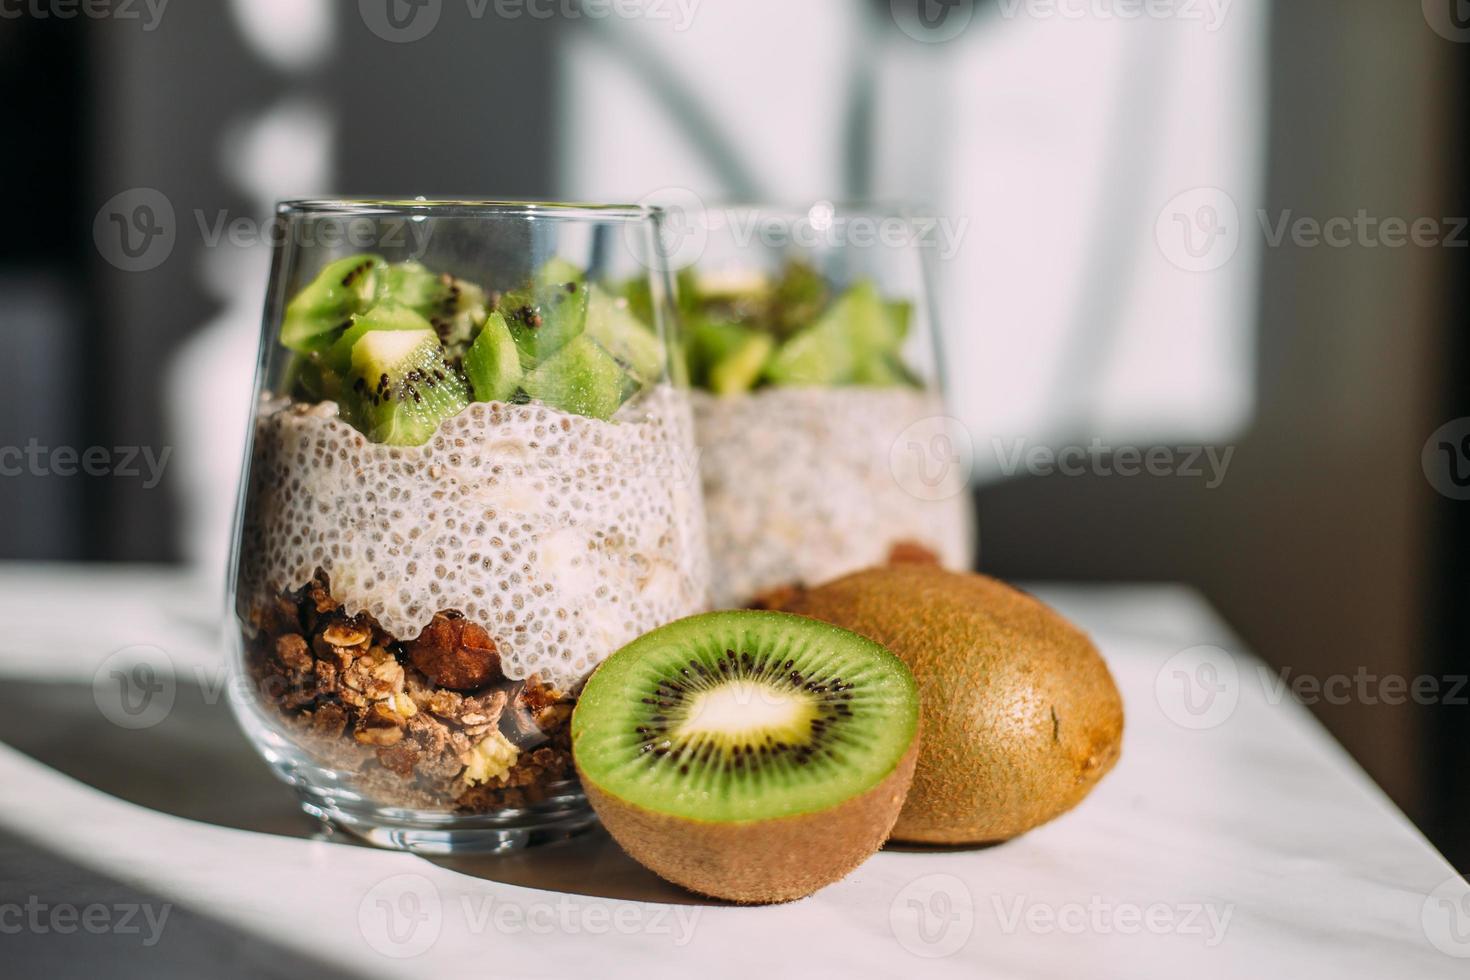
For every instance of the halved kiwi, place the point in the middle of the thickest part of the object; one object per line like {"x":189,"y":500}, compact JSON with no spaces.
{"x":750,"y":756}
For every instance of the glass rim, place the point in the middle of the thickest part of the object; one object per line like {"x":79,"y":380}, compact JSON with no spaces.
{"x":841,"y":210}
{"x":465,"y":208}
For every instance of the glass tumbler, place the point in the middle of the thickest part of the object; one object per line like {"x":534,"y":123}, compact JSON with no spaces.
{"x":824,"y":443}
{"x":471,"y":477}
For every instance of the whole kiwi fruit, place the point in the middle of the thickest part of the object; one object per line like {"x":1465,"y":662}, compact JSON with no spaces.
{"x":1021,"y":717}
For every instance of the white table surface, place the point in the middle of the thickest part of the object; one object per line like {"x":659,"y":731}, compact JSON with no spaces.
{"x":1227,"y":843}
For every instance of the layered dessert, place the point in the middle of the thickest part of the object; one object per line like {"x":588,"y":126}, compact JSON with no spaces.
{"x":459,"y":503}
{"x":803,"y":405}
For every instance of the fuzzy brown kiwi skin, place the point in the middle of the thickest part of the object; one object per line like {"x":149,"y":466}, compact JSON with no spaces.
{"x":758,"y":862}
{"x":1020,"y":714}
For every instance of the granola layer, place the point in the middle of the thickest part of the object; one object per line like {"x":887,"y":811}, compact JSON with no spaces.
{"x":427,"y":722}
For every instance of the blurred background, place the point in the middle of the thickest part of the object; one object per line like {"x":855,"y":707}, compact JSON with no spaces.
{"x":1221,"y":229}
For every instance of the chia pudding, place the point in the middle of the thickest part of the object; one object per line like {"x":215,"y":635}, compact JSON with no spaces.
{"x":443,"y":534}
{"x":831,"y":495}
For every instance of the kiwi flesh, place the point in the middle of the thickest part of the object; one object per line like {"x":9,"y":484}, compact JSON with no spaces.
{"x":412,"y":285}
{"x":727,"y":356}
{"x":610,"y":322}
{"x":492,"y":365}
{"x":855,"y":332}
{"x":460,"y":315}
{"x":581,"y":378}
{"x":319,"y":314}
{"x":1021,"y":717}
{"x":453,"y":306}
{"x":748,"y":756}
{"x":548,"y":314}
{"x":338,"y":358}
{"x":402,"y":386}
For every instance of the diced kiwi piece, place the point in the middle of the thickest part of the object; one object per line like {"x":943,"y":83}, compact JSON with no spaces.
{"x":461,"y":315}
{"x":711,"y":339}
{"x":492,"y":365}
{"x":739,"y":370}
{"x":402,"y":386}
{"x":901,"y":314}
{"x":387,"y":317}
{"x":752,"y":756}
{"x":581,"y":378}
{"x":797,"y":298}
{"x":412,"y":285}
{"x":306,"y":380}
{"x":855,"y":331}
{"x":885,"y":370}
{"x":557,"y":271}
{"x":455,"y":307}
{"x":612,"y":324}
{"x":547,"y":314}
{"x":818,"y":355}
{"x":318,"y":315}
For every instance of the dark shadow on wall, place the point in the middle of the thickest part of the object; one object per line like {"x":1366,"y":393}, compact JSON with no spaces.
{"x":1318,"y":545}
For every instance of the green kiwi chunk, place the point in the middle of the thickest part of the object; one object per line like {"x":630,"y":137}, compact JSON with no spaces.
{"x":455,"y":307}
{"x":547,"y":314}
{"x":854,"y":332}
{"x":798,"y":298}
{"x":610,"y":322}
{"x":739,"y":370}
{"x":402,"y":387}
{"x":728,"y":357}
{"x":733,"y":717}
{"x":412,"y":285}
{"x":492,"y":364}
{"x":338,"y":357}
{"x":305,"y":379}
{"x":461,"y":315}
{"x":580,"y":378}
{"x":319,"y":314}
{"x":886,"y":371}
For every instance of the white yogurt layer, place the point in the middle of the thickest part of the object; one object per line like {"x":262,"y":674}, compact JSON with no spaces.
{"x":564,"y":536}
{"x":801,"y":485}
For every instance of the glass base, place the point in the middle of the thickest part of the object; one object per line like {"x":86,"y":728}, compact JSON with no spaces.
{"x":337,"y":797}
{"x":427,"y":832}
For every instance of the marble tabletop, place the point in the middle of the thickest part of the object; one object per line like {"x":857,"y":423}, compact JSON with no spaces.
{"x":1234,"y":839}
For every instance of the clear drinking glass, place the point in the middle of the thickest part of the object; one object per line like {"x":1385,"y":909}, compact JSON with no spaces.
{"x":824,"y":443}
{"x":471,"y":477}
